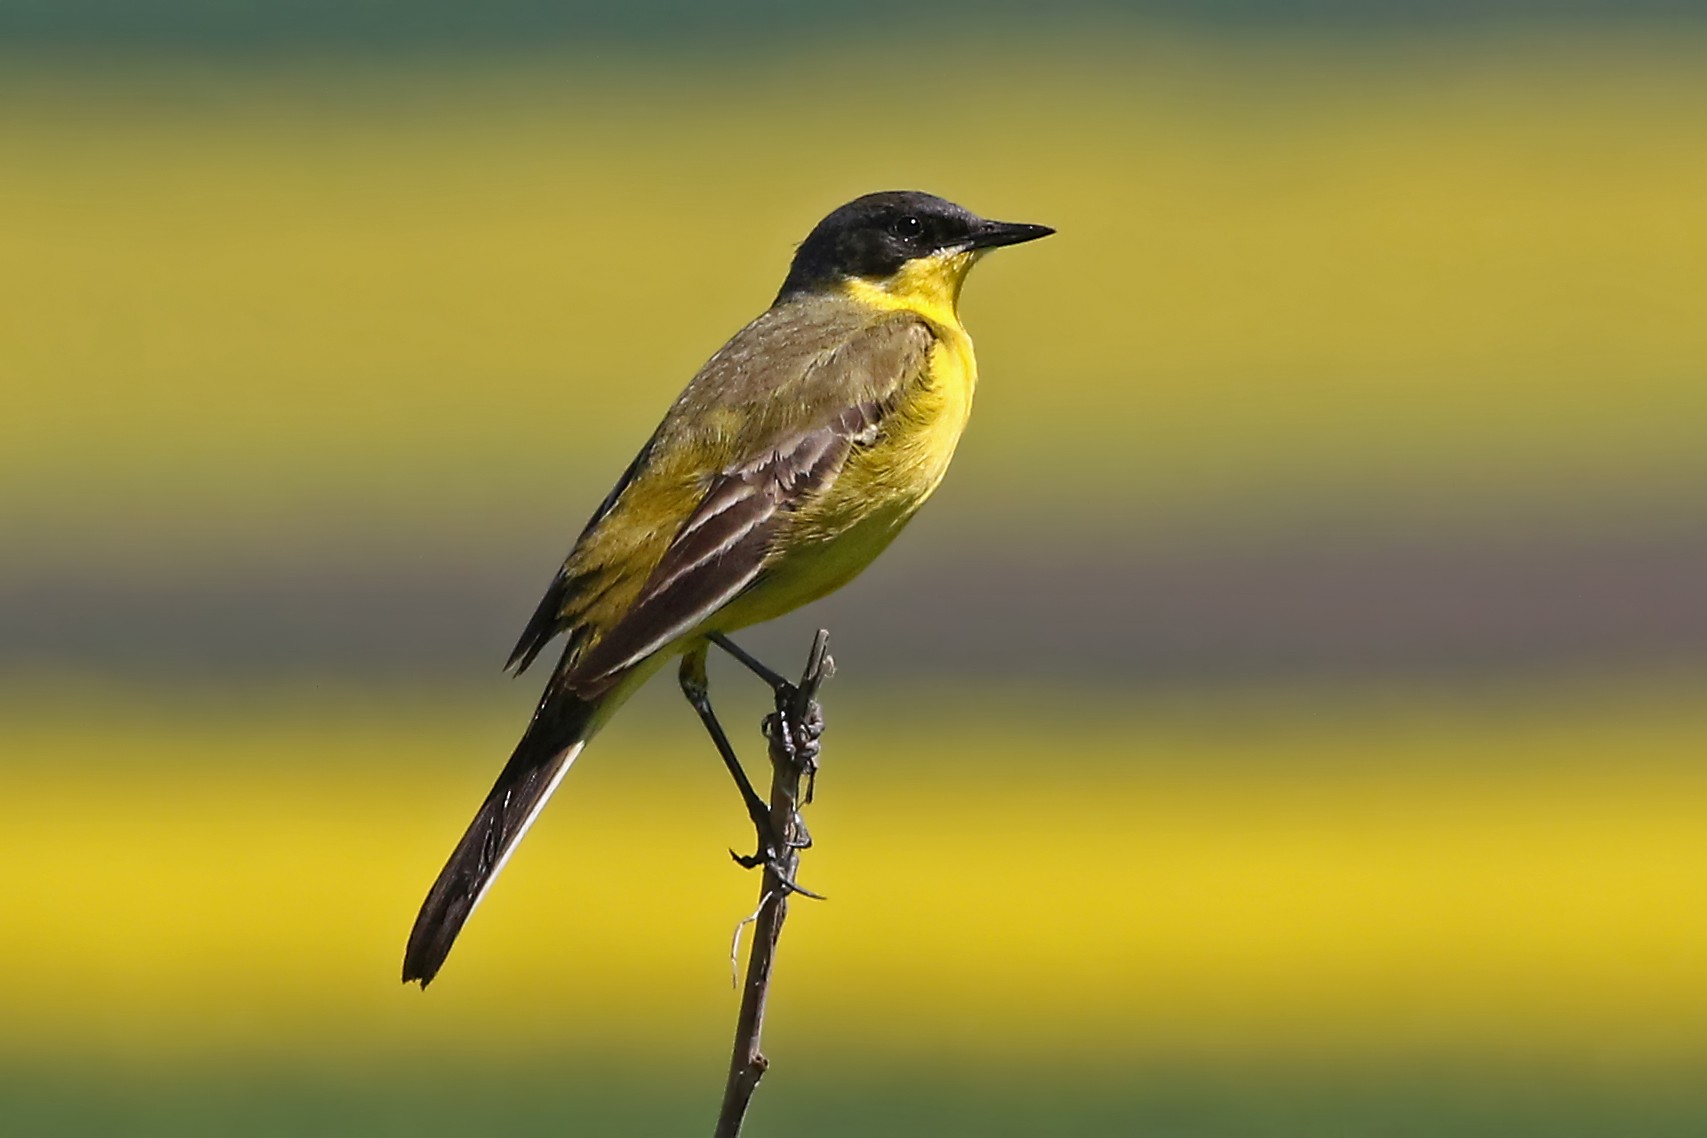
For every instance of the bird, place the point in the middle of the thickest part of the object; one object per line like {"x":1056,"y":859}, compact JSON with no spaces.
{"x":788,"y":463}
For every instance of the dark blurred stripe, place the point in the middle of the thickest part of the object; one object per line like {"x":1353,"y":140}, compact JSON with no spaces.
{"x":390,"y":25}
{"x":1282,"y":611}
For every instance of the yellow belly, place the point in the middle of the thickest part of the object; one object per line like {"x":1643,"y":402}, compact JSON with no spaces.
{"x":830,"y":541}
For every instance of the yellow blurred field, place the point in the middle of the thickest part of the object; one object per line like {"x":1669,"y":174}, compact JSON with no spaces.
{"x":1414,"y":881}
{"x":248,"y":303}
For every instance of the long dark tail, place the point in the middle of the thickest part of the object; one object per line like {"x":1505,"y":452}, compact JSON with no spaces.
{"x":555,"y":736}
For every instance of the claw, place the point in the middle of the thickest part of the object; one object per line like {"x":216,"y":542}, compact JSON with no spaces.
{"x":789,"y":885}
{"x":800,"y":739}
{"x":784,"y":882}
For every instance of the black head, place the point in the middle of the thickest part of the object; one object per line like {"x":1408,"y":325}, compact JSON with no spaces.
{"x":873,"y":236}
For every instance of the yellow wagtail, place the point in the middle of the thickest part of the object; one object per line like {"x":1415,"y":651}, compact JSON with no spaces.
{"x":789,"y":462}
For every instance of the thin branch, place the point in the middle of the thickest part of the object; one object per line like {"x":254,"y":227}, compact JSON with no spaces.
{"x":793,"y":734}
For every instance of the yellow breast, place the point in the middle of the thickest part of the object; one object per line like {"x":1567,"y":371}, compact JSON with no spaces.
{"x":922,"y":430}
{"x":883,"y":484}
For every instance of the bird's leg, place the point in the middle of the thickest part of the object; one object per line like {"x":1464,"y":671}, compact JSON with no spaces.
{"x":798,"y":734}
{"x":778,"y":683}
{"x":696,"y":687}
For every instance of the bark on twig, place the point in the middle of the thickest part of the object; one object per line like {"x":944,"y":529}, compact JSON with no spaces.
{"x":792,"y":732}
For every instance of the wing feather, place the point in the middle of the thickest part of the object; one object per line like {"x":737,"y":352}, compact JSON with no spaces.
{"x":783,"y":404}
{"x":548,"y":618}
{"x":719,"y":551}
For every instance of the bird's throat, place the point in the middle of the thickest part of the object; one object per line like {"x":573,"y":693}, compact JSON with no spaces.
{"x":929,"y":286}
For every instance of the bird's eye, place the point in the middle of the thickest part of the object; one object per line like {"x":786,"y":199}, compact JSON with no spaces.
{"x":907,"y":228}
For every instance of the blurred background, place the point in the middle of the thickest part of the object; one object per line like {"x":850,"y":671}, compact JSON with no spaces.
{"x":1287,"y":720}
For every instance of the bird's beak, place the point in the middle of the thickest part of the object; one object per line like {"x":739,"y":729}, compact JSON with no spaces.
{"x":991,"y":234}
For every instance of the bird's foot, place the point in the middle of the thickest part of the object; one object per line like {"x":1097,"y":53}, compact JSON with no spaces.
{"x":798,"y":736}
{"x":778,"y":867}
